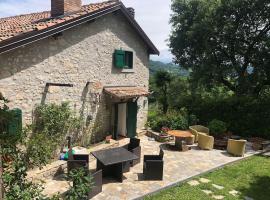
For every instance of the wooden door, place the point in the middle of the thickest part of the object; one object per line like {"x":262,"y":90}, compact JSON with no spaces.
{"x":132,"y":109}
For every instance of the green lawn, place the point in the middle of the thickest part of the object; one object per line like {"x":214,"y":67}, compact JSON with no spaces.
{"x":251,"y":177}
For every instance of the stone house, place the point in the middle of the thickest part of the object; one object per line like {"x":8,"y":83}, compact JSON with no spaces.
{"x":94,"y":56}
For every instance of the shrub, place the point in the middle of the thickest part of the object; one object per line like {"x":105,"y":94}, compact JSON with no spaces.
{"x":51,"y":119}
{"x":158,"y":122}
{"x":52,"y":123}
{"x":82,"y":184}
{"x":245,"y":116}
{"x":14,"y":177}
{"x":217,"y":127}
{"x":192,"y":120}
{"x":177,"y":121}
{"x":173,"y":120}
{"x":40,"y":149}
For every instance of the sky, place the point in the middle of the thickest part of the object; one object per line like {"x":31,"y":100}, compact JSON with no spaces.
{"x":152,"y":15}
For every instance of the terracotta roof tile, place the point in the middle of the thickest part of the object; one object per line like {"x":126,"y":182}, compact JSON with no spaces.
{"x":126,"y":92}
{"x":18,"y":25}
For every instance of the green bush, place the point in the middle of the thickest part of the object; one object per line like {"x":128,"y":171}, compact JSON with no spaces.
{"x":158,"y":122}
{"x":217,"y":127}
{"x":245,"y":116}
{"x":172,"y":120}
{"x":82,"y":184}
{"x":40,"y":149}
{"x":177,"y":121}
{"x":15,"y":182}
{"x":52,"y":123}
{"x":51,"y":119}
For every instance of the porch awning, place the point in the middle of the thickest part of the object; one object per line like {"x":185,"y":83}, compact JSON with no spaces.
{"x":126,"y":92}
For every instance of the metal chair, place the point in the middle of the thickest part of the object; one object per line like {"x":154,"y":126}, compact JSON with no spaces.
{"x":153,"y":166}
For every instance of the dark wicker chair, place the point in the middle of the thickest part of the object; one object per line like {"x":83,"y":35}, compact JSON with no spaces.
{"x":97,"y":185}
{"x":76,"y":164}
{"x":134,"y":147}
{"x":153,"y":166}
{"x":81,"y":157}
{"x":77,"y":161}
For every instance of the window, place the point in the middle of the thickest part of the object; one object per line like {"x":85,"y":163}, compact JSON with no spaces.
{"x":123,"y":59}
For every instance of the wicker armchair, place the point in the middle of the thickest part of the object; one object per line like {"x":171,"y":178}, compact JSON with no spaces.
{"x":97,"y":184}
{"x":236,"y":147}
{"x":77,"y":161}
{"x":205,"y":142}
{"x":134,"y":147}
{"x":153,"y":166}
{"x":198,"y":128}
{"x":76,"y":164}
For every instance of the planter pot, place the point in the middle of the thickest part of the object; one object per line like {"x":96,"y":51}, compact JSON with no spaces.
{"x":162,"y":138}
{"x":108,"y":139}
{"x":157,"y":136}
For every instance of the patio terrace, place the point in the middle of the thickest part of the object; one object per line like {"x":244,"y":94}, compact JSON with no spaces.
{"x":178,"y":167}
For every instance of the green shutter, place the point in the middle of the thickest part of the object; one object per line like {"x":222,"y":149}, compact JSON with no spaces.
{"x":15,"y":124}
{"x":132,"y":109}
{"x":119,"y":59}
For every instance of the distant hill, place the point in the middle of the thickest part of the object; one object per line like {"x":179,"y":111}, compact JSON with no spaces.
{"x":169,"y":67}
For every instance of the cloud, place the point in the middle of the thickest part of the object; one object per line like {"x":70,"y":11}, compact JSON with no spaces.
{"x":152,"y":15}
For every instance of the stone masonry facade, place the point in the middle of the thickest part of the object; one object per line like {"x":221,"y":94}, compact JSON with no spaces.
{"x":82,"y":54}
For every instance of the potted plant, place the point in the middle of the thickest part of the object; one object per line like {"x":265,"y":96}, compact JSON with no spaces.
{"x":163,"y":135}
{"x":218,"y":130}
{"x":108,"y":139}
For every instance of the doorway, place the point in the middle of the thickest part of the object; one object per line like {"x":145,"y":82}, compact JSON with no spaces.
{"x":125,"y":122}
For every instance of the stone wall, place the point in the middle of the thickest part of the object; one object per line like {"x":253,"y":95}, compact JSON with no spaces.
{"x":82,"y":54}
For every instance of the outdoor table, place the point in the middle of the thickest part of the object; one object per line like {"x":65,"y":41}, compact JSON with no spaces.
{"x":112,"y":161}
{"x":180,"y":136}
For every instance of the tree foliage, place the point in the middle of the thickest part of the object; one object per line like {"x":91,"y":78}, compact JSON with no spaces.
{"x":162,"y":80}
{"x":223,"y":42}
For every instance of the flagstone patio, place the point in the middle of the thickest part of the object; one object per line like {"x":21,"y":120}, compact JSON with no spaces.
{"x":178,"y":166}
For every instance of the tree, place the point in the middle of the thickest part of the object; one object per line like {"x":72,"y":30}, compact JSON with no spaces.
{"x":223,"y":42}
{"x":162,"y":81}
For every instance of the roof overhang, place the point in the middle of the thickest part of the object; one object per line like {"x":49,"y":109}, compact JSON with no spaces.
{"x":37,"y":35}
{"x":124,"y":92}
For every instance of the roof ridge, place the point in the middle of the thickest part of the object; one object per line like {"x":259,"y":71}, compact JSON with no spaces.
{"x":16,"y":31}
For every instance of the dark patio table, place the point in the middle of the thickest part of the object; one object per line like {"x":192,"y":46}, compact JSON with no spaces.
{"x":112,"y":161}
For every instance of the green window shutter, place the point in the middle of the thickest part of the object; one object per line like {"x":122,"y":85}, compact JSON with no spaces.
{"x":119,"y":59}
{"x":15,"y":124}
{"x":129,"y":59}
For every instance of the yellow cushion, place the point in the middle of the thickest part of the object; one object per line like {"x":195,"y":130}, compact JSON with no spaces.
{"x":198,"y":128}
{"x":205,"y":142}
{"x":236,"y":147}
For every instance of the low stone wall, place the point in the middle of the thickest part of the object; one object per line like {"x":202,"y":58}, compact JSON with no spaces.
{"x":141,"y":132}
{"x":59,"y":167}
{"x":157,"y":136}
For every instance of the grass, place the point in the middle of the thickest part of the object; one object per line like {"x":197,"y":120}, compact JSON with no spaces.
{"x":251,"y":177}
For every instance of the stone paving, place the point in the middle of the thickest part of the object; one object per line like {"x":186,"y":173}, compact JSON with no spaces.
{"x":178,"y":166}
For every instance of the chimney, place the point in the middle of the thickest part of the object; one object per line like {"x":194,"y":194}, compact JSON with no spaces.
{"x":62,"y":7}
{"x":131,"y":11}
